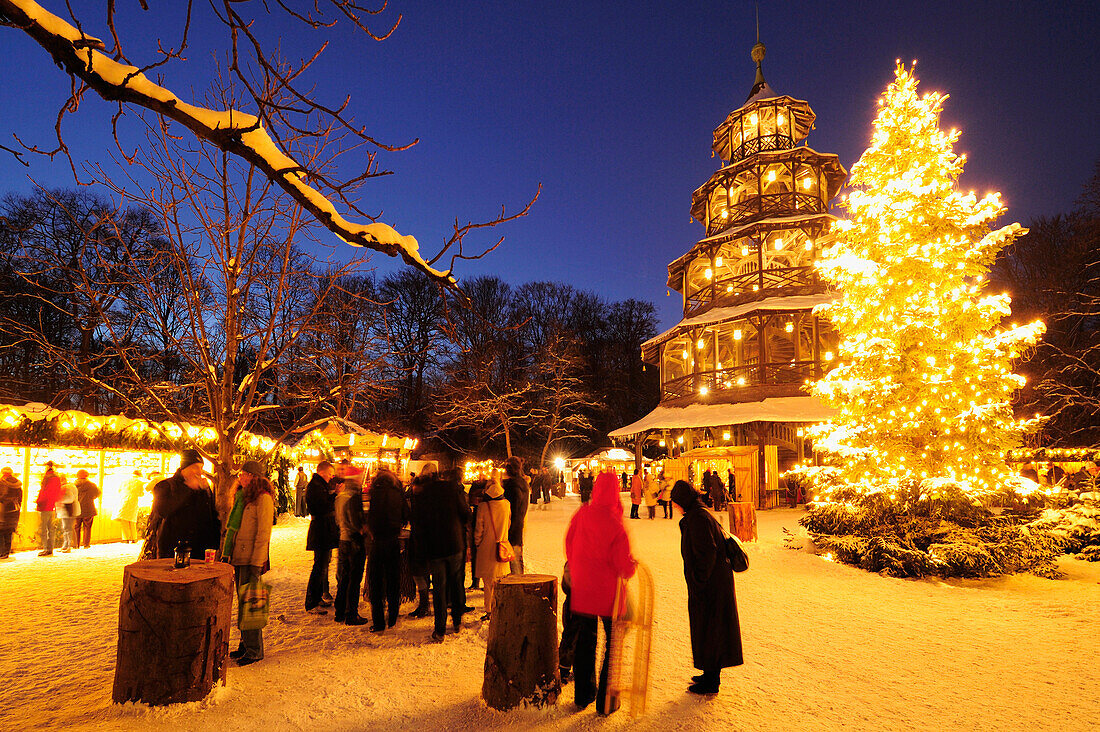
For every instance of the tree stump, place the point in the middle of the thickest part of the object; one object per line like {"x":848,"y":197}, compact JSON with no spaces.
{"x":521,"y":657}
{"x":173,"y":631}
{"x":743,"y":521}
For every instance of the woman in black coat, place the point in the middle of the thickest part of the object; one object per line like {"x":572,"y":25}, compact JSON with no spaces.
{"x":712,"y":604}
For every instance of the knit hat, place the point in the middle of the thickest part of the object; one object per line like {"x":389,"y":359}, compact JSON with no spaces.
{"x":684,"y":496}
{"x":189,"y":458}
{"x":252,"y":466}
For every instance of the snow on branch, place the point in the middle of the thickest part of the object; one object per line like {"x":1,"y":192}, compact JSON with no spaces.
{"x":238,"y":133}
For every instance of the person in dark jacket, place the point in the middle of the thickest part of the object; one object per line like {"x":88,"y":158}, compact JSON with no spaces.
{"x":352,"y":553}
{"x":183,"y":512}
{"x":322,"y":537}
{"x":385,"y":518}
{"x":474,"y":499}
{"x":517,"y":492}
{"x":712,"y":603}
{"x":438,"y":516}
{"x":584,"y":486}
{"x":414,"y":550}
{"x":86,"y":494}
{"x":11,"y":503}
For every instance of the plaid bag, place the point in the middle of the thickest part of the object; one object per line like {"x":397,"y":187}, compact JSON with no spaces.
{"x":253,"y":602}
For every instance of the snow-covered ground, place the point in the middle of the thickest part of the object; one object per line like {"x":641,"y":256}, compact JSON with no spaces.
{"x":826,"y":647}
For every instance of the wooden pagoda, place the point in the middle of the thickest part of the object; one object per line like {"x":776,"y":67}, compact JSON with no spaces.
{"x":734,"y":369}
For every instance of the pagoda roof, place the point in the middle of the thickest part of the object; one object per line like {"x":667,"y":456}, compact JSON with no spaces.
{"x":722,"y":315}
{"x":776,"y":409}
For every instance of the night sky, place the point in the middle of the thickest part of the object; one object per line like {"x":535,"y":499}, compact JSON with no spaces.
{"x":611,"y":107}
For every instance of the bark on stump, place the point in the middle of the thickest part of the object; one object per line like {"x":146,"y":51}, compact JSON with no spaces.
{"x":173,"y":631}
{"x":743,"y":521}
{"x":521,"y":657}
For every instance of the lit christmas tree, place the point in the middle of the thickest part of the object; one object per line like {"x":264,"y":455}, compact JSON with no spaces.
{"x":924,"y":384}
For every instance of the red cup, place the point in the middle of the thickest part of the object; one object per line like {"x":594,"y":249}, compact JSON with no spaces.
{"x":210,"y":555}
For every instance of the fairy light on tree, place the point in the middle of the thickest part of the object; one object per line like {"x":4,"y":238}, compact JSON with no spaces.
{"x":923,"y":382}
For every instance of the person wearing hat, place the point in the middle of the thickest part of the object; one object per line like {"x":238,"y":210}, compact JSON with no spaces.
{"x":712,"y":603}
{"x":247,"y":544}
{"x":11,"y":502}
{"x":183,"y":512}
{"x":86,"y":493}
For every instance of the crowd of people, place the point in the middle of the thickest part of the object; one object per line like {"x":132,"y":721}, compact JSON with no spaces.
{"x":433,"y":526}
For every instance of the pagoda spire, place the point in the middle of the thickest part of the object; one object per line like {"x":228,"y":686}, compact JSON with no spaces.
{"x":760,"y":88}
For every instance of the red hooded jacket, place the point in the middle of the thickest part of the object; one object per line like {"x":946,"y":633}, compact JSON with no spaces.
{"x":50,"y":492}
{"x":598,"y":549}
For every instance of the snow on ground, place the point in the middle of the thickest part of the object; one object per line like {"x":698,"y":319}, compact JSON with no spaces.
{"x":826,"y":646}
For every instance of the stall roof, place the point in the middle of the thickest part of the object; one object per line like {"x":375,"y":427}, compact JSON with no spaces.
{"x":778,"y":409}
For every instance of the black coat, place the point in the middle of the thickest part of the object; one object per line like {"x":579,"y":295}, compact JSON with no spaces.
{"x":184,"y":514}
{"x":438,"y":518}
{"x":11,"y":502}
{"x":518,"y":494}
{"x":388,"y":512}
{"x":712,"y":604}
{"x":584,"y":485}
{"x":323,"y":532}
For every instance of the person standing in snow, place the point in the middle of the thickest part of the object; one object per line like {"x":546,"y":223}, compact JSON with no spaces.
{"x":438,"y":516}
{"x":86,"y":494}
{"x":474,"y":499}
{"x":636,"y":491}
{"x":597,"y":550}
{"x":248,"y":545}
{"x":49,"y":492}
{"x":584,"y":485}
{"x":67,"y":509}
{"x":414,"y":549}
{"x":517,"y":492}
{"x":301,"y":482}
{"x":385,"y":517}
{"x":352,"y":554}
{"x":652,"y":492}
{"x":183,"y":512}
{"x":664,"y":491}
{"x":127,"y":511}
{"x":322,"y":536}
{"x":11,"y":503}
{"x":712,"y":603}
{"x":494,"y":517}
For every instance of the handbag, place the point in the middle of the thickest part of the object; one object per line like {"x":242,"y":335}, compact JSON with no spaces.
{"x":253,"y":603}
{"x":505,"y":553}
{"x":735,"y":552}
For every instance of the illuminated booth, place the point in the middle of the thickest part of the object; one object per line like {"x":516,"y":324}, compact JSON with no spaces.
{"x":367,"y":448}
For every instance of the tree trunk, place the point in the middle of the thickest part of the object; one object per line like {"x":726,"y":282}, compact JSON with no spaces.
{"x":743,"y":521}
{"x":173,"y":631}
{"x":521,"y":657}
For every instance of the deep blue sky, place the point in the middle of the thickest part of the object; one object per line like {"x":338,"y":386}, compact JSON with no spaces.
{"x":611,"y":107}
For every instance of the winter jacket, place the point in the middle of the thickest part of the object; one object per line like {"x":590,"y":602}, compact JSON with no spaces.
{"x":517,"y":493}
{"x":438,"y":516}
{"x":597,"y":549}
{"x":584,"y":487}
{"x":67,"y":506}
{"x":712,"y":604}
{"x":11,"y":502}
{"x":181,"y":513}
{"x":636,"y":489}
{"x":349,"y":512}
{"x":651,"y":489}
{"x":388,"y":513}
{"x":493,"y":518}
{"x":253,"y":542}
{"x":131,"y":494}
{"x":86,"y":493}
{"x":323,"y":533}
{"x":49,"y":493}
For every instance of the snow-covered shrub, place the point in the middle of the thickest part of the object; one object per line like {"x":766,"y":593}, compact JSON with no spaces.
{"x":1077,"y":526}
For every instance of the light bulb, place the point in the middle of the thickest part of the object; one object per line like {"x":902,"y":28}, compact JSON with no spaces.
{"x":718,"y":261}
{"x":737,"y":335}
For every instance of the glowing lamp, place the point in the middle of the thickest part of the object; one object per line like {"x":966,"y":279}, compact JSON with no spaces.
{"x":703,"y":390}
{"x":737,"y":335}
{"x":700,"y":344}
{"x":718,"y":261}
{"x":708,"y":273}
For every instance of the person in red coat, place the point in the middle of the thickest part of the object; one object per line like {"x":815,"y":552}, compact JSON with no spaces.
{"x":597,"y":549}
{"x":48,"y":496}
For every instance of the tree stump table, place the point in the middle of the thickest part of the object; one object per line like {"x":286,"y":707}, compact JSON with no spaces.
{"x":173,"y":631}
{"x":743,"y":521}
{"x":521,"y":657}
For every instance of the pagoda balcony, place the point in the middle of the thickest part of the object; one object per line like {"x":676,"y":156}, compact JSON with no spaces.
{"x":768,"y":204}
{"x":755,"y":145}
{"x":754,"y":285}
{"x":744,"y":382}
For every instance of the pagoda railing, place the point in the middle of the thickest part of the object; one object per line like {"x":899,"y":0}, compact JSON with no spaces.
{"x":741,"y":377}
{"x":768,"y":204}
{"x":760,"y":144}
{"x":759,"y":282}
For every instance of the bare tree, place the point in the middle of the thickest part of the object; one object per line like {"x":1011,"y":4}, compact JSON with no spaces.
{"x":561,"y":403}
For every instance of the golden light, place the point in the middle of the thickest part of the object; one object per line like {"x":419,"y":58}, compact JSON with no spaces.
{"x":701,"y":344}
{"x":726,"y":436}
{"x":737,"y":335}
{"x":703,"y":390}
{"x":708,"y":273}
{"x":718,"y":261}
{"x":778,"y":244}
{"x":744,"y":251}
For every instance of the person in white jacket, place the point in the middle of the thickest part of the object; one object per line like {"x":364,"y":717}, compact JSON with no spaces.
{"x":250,"y":547}
{"x":67,"y":509}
